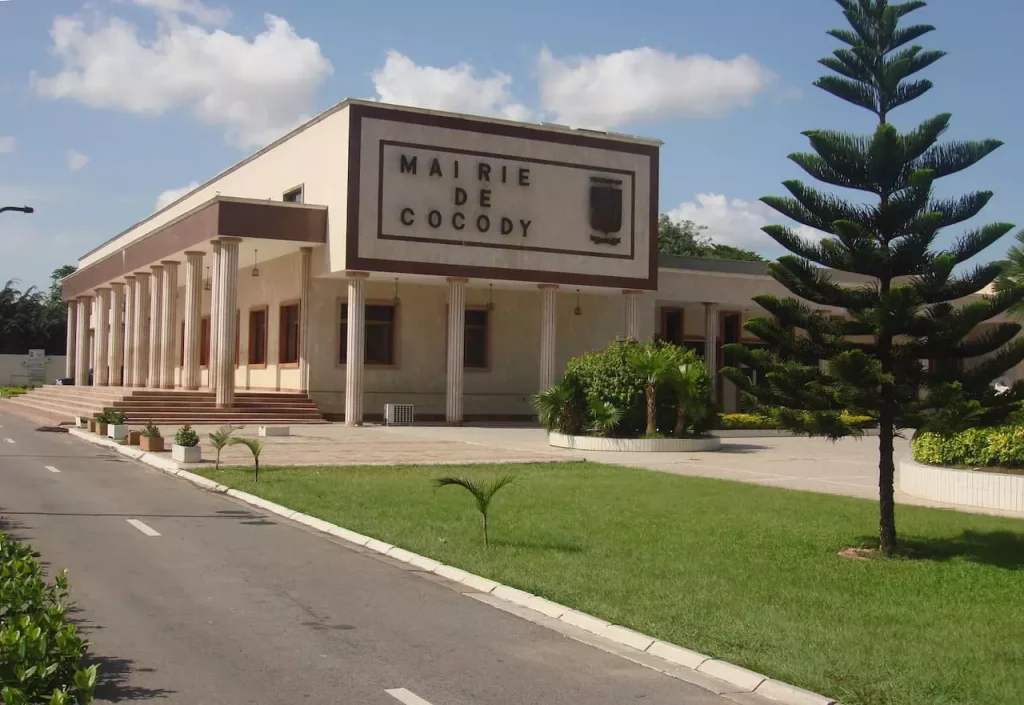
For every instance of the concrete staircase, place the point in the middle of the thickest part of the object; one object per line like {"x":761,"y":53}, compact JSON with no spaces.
{"x":169,"y":406}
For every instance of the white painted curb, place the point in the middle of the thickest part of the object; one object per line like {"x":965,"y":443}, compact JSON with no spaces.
{"x":746,"y":681}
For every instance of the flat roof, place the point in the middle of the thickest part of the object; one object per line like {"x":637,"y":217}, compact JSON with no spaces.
{"x":540,"y":127}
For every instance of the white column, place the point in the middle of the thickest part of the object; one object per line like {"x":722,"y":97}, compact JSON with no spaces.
{"x":548,"y":319}
{"x":169,"y":325}
{"x":456,"y":348}
{"x":156,"y":309}
{"x":70,"y":352}
{"x":140,"y":333}
{"x":214,"y":315}
{"x":356,"y":345}
{"x":226,"y":328}
{"x":116,"y":333}
{"x":82,"y":346}
{"x":193,"y":318}
{"x":307,"y":262}
{"x":101,"y":339}
{"x":131,"y":293}
{"x":632,"y":313}
{"x":711,"y":344}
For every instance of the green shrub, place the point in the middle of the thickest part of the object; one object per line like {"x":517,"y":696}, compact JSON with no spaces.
{"x":186,"y":437}
{"x":614,"y":382}
{"x":40,"y":650}
{"x":116,"y":418}
{"x":151,"y":431}
{"x":1002,"y":446}
{"x":747,"y":422}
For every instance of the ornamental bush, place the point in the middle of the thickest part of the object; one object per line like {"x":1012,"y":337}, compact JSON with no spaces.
{"x":1000,"y":446}
{"x":747,"y":422}
{"x":612,"y":382}
{"x":40,"y":650}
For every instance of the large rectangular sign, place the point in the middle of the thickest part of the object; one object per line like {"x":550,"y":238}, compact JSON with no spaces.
{"x":457,"y":197}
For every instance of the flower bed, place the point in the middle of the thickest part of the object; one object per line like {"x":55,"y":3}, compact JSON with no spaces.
{"x":1000,"y":448}
{"x":698,"y":444}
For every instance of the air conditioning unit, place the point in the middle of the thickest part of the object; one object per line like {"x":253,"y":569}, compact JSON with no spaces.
{"x":398,"y":414}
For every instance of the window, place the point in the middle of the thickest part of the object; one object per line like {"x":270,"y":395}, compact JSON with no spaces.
{"x":293,"y":196}
{"x":258,"y":336}
{"x":672,"y":325}
{"x":204,"y":342}
{"x":288,"y":343}
{"x":380,"y":335}
{"x":476,"y":353}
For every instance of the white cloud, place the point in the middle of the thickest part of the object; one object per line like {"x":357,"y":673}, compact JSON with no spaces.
{"x":733,"y":221}
{"x":645,"y":84}
{"x":456,"y":88}
{"x":171,"y":195}
{"x":7,"y":144}
{"x":76,"y":160}
{"x":192,"y":8}
{"x":255,"y":89}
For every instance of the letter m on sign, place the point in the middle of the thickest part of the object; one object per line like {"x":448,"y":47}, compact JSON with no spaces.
{"x":605,"y":204}
{"x":408,"y":165}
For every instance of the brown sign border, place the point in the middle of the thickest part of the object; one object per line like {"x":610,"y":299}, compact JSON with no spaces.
{"x":353,"y":260}
{"x":381,"y":235}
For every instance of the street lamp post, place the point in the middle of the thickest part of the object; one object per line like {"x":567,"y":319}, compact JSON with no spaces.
{"x":22,"y":209}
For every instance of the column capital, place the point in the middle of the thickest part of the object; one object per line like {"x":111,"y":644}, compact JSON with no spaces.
{"x":457,"y":280}
{"x":631,"y":292}
{"x":229,"y":240}
{"x":142,"y":275}
{"x":215,"y":244}
{"x":156,"y":268}
{"x":170,"y":263}
{"x":117,"y":286}
{"x":352,"y":274}
{"x":194,"y":253}
{"x":84,"y":298}
{"x":129,"y":278}
{"x":306,"y":248}
{"x":103,"y":290}
{"x":548,"y":286}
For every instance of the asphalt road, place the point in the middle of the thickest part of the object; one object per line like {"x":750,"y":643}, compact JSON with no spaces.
{"x":228,"y":605}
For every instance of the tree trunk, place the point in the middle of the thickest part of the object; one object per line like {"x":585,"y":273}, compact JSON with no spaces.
{"x":485,"y":529}
{"x":886,"y":474}
{"x":652,"y":416}
{"x":680,"y":421}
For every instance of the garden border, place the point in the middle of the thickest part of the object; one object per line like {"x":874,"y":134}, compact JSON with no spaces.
{"x":739,"y":679}
{"x":967,"y":488}
{"x":635,"y":445}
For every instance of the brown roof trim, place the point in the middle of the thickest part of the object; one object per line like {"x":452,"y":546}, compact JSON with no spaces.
{"x":221,"y":216}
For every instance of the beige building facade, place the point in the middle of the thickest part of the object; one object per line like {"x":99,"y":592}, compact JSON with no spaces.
{"x":384,"y":255}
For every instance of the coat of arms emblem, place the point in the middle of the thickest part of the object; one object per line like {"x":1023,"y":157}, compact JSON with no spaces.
{"x":605,"y":210}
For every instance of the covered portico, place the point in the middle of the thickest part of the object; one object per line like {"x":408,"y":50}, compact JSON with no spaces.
{"x":140,"y":338}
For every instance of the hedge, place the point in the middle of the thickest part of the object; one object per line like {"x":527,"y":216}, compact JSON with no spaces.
{"x":747,"y":422}
{"x":1001,"y":446}
{"x":40,"y":650}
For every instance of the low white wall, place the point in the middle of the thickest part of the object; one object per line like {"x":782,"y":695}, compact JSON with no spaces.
{"x":969,"y":488}
{"x":635,"y":445}
{"x":14,"y":369}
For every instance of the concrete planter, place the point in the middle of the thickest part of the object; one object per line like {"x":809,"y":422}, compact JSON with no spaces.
{"x":151,"y":445}
{"x":101,"y":428}
{"x":969,"y":488}
{"x":635,"y":445}
{"x":81,"y":422}
{"x":117,"y":432}
{"x":134,"y":437}
{"x":266,"y":431}
{"x":186,"y":454}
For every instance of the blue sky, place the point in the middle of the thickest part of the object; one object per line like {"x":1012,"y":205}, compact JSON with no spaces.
{"x":106,"y":105}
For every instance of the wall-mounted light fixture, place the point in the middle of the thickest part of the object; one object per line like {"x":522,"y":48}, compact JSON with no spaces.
{"x":395,"y":299}
{"x":255,"y":263}
{"x":208,"y":284}
{"x":578,"y":311}
{"x":490,"y":297}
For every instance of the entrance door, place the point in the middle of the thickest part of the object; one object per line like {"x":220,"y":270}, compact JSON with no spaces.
{"x":729,"y":331}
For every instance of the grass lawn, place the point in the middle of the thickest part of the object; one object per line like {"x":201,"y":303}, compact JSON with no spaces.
{"x":740,"y":572}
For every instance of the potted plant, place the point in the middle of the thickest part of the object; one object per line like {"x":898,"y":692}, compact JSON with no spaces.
{"x":81,"y":422}
{"x":102,"y":419}
{"x":151,"y":441}
{"x":186,"y":446}
{"x":117,"y":426}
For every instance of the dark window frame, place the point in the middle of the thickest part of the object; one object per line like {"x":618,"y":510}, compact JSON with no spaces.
{"x":284,"y":328}
{"x":392,"y":325}
{"x":250,"y":360}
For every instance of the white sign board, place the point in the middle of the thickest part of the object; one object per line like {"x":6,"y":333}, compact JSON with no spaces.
{"x":36,"y":364}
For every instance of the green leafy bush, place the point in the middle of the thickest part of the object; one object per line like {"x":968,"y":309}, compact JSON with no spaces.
{"x":116,"y":418}
{"x":1002,"y":446}
{"x":605,"y":392}
{"x":151,"y":431}
{"x":40,"y":650}
{"x":186,"y":437}
{"x":747,"y":422}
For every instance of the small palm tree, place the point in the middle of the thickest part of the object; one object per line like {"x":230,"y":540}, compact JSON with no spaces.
{"x":482,"y":494}
{"x":655,"y":364}
{"x":604,"y":417}
{"x":1013,"y":271}
{"x":692,"y":399}
{"x":557,"y":409}
{"x":255,"y":445}
{"x":221,"y":438}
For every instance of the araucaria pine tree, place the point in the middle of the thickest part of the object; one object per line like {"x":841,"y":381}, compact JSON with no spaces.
{"x":906,"y":308}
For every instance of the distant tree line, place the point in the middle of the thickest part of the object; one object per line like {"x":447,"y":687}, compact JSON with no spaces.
{"x":686,"y":238}
{"x":33,"y":318}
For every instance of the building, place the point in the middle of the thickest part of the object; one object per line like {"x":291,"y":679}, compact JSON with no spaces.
{"x":380,"y":254}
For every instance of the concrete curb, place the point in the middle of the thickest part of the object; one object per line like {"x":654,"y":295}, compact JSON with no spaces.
{"x":744,"y":680}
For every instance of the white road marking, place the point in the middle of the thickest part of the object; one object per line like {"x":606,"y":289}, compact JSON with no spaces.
{"x":148,"y":531}
{"x":52,"y":469}
{"x":404,"y":696}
